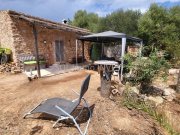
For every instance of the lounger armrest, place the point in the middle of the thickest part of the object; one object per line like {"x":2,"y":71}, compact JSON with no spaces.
{"x":59,"y":108}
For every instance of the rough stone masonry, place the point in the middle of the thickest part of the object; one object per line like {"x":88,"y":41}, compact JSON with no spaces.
{"x":16,"y":33}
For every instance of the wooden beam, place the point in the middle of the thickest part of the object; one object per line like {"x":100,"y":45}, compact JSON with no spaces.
{"x":36,"y":49}
{"x":76,"y":52}
{"x":82,"y":51}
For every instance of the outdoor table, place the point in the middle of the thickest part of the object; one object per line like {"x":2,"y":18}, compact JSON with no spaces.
{"x":105,"y":69}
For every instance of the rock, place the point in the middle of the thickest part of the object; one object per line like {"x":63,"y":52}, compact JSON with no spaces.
{"x":156,"y":100}
{"x":168,"y":91}
{"x":36,"y":129}
{"x":168,"y":94}
{"x":121,"y":90}
{"x":17,"y":71}
{"x":169,"y":97}
{"x":143,"y":97}
{"x":173,"y":71}
{"x":10,"y":67}
{"x":135,"y":90}
{"x":2,"y":69}
{"x":7,"y":69}
{"x":111,"y":97}
{"x":114,"y":91}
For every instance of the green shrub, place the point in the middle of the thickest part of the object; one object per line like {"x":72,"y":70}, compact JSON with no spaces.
{"x":144,"y":69}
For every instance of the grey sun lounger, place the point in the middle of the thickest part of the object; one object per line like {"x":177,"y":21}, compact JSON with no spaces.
{"x":63,"y":108}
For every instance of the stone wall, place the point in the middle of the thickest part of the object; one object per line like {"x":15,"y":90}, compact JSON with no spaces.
{"x":6,"y":33}
{"x":87,"y":47}
{"x":19,"y":37}
{"x":133,"y":50}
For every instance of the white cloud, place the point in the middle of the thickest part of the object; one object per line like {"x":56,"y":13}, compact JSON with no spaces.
{"x":60,"y":9}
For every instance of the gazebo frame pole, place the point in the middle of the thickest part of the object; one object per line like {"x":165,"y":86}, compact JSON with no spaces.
{"x":36,"y":49}
{"x":140,"y":50}
{"x":123,"y":46}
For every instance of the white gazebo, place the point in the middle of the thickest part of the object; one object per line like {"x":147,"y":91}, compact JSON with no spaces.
{"x":111,"y":36}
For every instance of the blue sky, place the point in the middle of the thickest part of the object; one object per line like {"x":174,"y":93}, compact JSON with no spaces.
{"x":63,"y":9}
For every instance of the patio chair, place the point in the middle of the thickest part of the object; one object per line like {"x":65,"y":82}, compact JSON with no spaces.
{"x":63,"y":108}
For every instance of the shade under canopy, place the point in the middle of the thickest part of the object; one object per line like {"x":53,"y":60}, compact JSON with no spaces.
{"x":107,"y":36}
{"x":111,"y":36}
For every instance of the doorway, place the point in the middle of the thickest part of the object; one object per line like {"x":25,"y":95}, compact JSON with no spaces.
{"x":59,"y":50}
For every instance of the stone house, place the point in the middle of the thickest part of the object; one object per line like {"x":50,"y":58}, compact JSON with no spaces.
{"x":55,"y":41}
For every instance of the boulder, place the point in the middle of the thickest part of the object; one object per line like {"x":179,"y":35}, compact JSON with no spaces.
{"x":155,"y":100}
{"x":170,"y":97}
{"x":143,"y":97}
{"x":17,"y":71}
{"x":173,"y":71}
{"x":168,"y":91}
{"x":135,"y":90}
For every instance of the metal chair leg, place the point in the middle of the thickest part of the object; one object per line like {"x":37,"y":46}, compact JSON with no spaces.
{"x":71,"y":117}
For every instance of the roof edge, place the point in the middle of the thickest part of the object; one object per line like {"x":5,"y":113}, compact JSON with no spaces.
{"x":12,"y":12}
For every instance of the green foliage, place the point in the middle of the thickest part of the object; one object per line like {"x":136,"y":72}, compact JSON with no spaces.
{"x":80,"y":19}
{"x":151,"y":25}
{"x":159,"y":27}
{"x":172,"y":32}
{"x":86,"y":20}
{"x":145,"y":69}
{"x":130,"y":102}
{"x":121,"y":21}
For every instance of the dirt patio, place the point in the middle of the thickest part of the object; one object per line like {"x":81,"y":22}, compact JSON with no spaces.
{"x":18,"y":96}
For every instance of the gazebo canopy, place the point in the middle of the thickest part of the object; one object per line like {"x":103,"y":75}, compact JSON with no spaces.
{"x":108,"y":36}
{"x":111,"y":36}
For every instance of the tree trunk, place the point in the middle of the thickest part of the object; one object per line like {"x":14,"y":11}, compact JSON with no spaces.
{"x":178,"y":83}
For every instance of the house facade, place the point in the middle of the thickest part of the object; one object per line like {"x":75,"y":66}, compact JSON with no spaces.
{"x":56,"y":41}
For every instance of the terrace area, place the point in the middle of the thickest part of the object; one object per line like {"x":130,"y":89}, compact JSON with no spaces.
{"x":109,"y":117}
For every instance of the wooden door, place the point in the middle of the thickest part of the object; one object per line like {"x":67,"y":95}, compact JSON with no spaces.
{"x":59,"y":50}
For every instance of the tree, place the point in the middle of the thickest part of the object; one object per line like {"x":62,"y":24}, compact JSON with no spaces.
{"x":159,"y":27}
{"x":172,"y":32}
{"x":86,"y":20}
{"x":121,"y":21}
{"x":175,"y":38}
{"x":151,"y":26}
{"x":80,"y":19}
